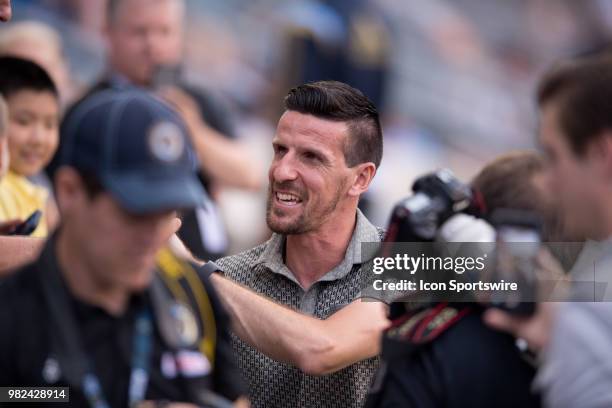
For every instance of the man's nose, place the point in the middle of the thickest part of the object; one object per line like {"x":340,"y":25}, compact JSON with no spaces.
{"x":284,"y":169}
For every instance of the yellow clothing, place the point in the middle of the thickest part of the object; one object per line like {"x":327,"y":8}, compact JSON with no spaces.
{"x":19,"y":198}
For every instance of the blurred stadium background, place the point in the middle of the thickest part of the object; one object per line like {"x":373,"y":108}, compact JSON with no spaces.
{"x":454,"y":79}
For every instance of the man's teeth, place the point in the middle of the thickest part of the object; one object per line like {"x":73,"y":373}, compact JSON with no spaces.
{"x":289,"y":198}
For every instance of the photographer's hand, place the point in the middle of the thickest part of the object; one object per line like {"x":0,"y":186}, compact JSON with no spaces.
{"x":552,"y":284}
{"x":227,"y":161}
{"x":535,"y":330}
{"x":466,"y":228}
{"x":316,"y":346}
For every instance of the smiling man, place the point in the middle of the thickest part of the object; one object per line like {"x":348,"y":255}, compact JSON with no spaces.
{"x":309,"y":341}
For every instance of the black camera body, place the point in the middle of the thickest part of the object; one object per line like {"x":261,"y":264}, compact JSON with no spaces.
{"x":440,"y":195}
{"x":437,"y":196}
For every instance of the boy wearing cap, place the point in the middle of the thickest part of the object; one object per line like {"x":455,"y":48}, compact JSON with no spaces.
{"x":105,"y":309}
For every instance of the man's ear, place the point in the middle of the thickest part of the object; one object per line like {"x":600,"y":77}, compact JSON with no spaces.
{"x":364,"y":173}
{"x":599,"y":154}
{"x":69,"y":188}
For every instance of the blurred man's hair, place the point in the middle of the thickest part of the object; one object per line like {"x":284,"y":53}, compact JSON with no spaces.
{"x":581,"y":90}
{"x":511,"y":182}
{"x":30,"y":30}
{"x":340,"y":102}
{"x":112,"y":8}
{"x":91,"y":183}
{"x":506,"y":182}
{"x":17,"y":75}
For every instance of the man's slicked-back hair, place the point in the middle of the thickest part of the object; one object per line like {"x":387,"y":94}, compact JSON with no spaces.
{"x":340,"y":102}
{"x":581,"y":90}
{"x":18,"y":74}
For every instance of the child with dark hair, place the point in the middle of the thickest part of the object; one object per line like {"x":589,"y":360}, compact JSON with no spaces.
{"x":32,"y":130}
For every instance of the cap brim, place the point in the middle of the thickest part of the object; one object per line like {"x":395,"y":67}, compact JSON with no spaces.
{"x":142,"y":195}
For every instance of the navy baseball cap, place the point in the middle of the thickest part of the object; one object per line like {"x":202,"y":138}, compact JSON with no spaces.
{"x":138,"y":148}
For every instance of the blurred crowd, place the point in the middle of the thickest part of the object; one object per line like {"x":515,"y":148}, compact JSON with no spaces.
{"x":215,"y":109}
{"x":453,"y":80}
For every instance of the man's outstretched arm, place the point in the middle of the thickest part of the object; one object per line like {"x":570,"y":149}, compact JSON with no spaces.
{"x":315,"y":346}
{"x":17,"y":251}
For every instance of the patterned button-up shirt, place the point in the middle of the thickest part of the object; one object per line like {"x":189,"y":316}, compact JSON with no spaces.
{"x":277,"y":385}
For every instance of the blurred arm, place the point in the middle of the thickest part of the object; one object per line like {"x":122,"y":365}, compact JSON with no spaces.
{"x":226,"y":161}
{"x":17,"y":251}
{"x":315,"y":346}
{"x":52,"y":215}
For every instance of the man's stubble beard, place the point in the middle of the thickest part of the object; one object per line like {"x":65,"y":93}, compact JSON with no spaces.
{"x":305,"y":222}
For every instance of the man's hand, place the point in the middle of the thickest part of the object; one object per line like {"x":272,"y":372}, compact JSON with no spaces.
{"x":225,"y":160}
{"x":16,"y":251}
{"x":466,"y":228}
{"x":172,"y":228}
{"x":316,"y":346}
{"x":242,"y":402}
{"x":187,"y":107}
{"x":6,"y":227}
{"x":535,"y":330}
{"x":552,"y":284}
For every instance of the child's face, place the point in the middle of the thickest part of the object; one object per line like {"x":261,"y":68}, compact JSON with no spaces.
{"x":33,"y":130}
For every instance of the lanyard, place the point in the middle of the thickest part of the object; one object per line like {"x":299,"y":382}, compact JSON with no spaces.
{"x":139,"y":377}
{"x":67,"y":342}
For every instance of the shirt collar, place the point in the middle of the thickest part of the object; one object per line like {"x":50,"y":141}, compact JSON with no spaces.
{"x":119,"y":81}
{"x":272,"y":256}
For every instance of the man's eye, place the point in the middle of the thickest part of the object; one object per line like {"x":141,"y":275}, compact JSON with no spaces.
{"x":280,"y":150}
{"x":311,"y":156}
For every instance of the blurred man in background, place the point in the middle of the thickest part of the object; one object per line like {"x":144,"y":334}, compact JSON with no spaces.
{"x":106,"y":309}
{"x":576,"y":135}
{"x":145,"y":39}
